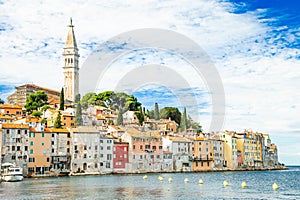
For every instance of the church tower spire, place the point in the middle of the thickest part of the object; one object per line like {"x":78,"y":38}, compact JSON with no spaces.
{"x":71,"y":65}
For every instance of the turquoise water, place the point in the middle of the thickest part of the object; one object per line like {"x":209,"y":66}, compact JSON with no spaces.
{"x":259,"y":186}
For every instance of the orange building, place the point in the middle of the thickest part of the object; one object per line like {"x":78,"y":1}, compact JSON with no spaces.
{"x":39,"y":152}
{"x":10,"y":109}
{"x":203,"y":157}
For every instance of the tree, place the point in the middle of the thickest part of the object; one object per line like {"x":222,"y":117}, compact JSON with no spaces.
{"x":194,"y":125}
{"x":183,"y":121}
{"x":36,"y":114}
{"x":171,"y":112}
{"x":35,"y":101}
{"x":62,"y":100}
{"x":140,"y":116}
{"x":1,"y":101}
{"x":78,"y":114}
{"x":132,"y":103}
{"x":87,"y":99}
{"x":150,"y":114}
{"x":57,"y":123}
{"x":156,"y":111}
{"x":104,"y":99}
{"x":120,"y":118}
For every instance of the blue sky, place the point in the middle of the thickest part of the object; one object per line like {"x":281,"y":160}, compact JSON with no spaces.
{"x":254,"y":45}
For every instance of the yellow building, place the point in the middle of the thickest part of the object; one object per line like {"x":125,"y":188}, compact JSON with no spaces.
{"x":230,"y":149}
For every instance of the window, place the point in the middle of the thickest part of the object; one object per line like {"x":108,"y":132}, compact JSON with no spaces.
{"x":43,"y":143}
{"x":52,"y":135}
{"x":19,"y":131}
{"x":75,"y":147}
{"x":96,"y":148}
{"x":30,"y":169}
{"x":141,"y":156}
{"x":7,"y":131}
{"x":31,"y":159}
{"x":108,"y":165}
{"x":101,"y":141}
{"x":13,"y":148}
{"x":13,"y":157}
{"x":31,"y":151}
{"x":141,"y":147}
{"x":133,"y":147}
{"x":160,"y":147}
{"x":95,"y":156}
{"x":158,"y":156}
{"x":108,"y":148}
{"x":133,"y":157}
{"x":43,"y":134}
{"x":125,"y":155}
{"x":114,"y":148}
{"x":85,"y":147}
{"x":101,"y":164}
{"x":125,"y":148}
{"x":31,"y":143}
{"x":101,"y":155}
{"x":26,"y":148}
{"x":109,"y":156}
{"x":154,"y":147}
{"x":84,"y":155}
{"x":31,"y":134}
{"x":68,"y":150}
{"x":96,"y":165}
{"x":48,"y":159}
{"x":68,"y":142}
{"x":114,"y":155}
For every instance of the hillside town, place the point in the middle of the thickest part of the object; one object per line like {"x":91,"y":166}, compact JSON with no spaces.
{"x":52,"y":133}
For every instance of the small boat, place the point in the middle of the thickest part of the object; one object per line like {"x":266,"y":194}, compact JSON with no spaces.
{"x":10,"y":172}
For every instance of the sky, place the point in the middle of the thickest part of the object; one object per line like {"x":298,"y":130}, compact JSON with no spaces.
{"x":253,"y":44}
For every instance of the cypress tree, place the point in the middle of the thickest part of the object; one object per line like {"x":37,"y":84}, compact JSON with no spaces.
{"x":62,"y":100}
{"x":183,"y":122}
{"x":120,"y":118}
{"x":78,"y":116}
{"x":156,"y":112}
{"x":57,"y":123}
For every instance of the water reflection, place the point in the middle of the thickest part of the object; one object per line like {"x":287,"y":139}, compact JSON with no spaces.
{"x":259,"y":186}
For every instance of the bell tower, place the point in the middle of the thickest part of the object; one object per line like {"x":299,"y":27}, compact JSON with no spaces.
{"x":71,"y":66}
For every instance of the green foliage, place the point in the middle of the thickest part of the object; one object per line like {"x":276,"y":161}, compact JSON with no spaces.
{"x":171,"y":112}
{"x":194,"y":125}
{"x":1,"y":101}
{"x":183,"y":121}
{"x":156,"y":112}
{"x":88,"y":99}
{"x":77,"y":98}
{"x":132,"y":103}
{"x":150,"y":114}
{"x":119,"y":100}
{"x":62,"y":100}
{"x":120,"y":118}
{"x":140,"y":116}
{"x":35,"y":101}
{"x":78,"y":116}
{"x":104,"y":99}
{"x":57,"y":123}
{"x":36,"y":114}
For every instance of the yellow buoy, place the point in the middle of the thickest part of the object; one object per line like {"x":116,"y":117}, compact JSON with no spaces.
{"x":145,"y":177}
{"x":170,"y":179}
{"x":186,"y":180}
{"x":225,"y":183}
{"x":244,"y":185}
{"x":200,"y":181}
{"x":275,"y":186}
{"x":160,"y":178}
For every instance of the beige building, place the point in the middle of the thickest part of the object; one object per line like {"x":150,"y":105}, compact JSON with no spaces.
{"x":23,"y":91}
{"x":71,"y":66}
{"x":230,"y":150}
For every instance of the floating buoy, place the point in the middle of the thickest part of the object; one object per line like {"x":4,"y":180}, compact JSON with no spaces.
{"x":275,"y":186}
{"x":200,"y":181}
{"x":145,"y":177}
{"x":244,"y":185}
{"x":160,"y":178}
{"x":186,"y":180}
{"x":225,"y":183}
{"x":170,"y":179}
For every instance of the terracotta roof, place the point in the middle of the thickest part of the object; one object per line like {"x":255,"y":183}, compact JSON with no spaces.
{"x":15,"y":126}
{"x":178,"y":139}
{"x":56,"y":130}
{"x":6,"y":117}
{"x":10,"y":106}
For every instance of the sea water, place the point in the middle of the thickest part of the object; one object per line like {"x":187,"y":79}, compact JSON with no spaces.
{"x":259,"y":186}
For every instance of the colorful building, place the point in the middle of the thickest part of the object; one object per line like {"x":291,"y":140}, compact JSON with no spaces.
{"x":203,"y":154}
{"x":120,"y":156}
